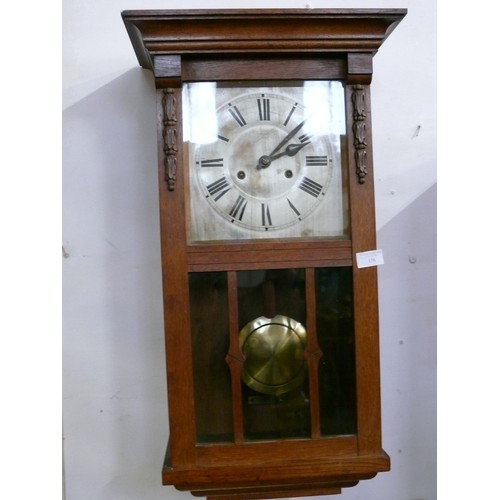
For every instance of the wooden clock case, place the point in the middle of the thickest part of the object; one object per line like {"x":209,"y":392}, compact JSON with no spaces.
{"x":277,"y":45}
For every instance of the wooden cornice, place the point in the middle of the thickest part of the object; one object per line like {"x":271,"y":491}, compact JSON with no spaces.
{"x":254,"y":32}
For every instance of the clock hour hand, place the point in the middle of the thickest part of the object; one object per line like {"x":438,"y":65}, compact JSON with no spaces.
{"x":290,"y":150}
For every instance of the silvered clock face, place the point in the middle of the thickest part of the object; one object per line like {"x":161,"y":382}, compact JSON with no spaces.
{"x":268,"y":167}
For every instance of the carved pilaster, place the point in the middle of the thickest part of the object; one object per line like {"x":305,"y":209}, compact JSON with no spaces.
{"x":359,"y":129}
{"x":170,"y":136}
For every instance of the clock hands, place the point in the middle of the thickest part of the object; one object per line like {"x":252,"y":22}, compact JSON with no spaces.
{"x":291,"y":149}
{"x":287,"y":138}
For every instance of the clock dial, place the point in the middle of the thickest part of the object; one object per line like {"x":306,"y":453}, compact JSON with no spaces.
{"x":269,"y":165}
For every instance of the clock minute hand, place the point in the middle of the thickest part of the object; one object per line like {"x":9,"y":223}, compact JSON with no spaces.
{"x":287,"y":138}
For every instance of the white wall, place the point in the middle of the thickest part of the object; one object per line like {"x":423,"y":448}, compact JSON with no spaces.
{"x":114,"y":409}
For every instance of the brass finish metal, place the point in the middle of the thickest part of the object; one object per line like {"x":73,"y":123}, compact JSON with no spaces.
{"x":273,"y":349}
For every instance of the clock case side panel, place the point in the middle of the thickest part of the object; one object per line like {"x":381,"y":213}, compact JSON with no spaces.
{"x":363,"y":238}
{"x":175,"y":281}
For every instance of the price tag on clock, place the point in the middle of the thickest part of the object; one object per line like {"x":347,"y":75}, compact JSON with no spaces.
{"x":370,"y":258}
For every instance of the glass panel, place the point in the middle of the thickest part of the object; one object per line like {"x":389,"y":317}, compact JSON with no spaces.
{"x":335,"y":331}
{"x":210,"y":339}
{"x":272,"y":316}
{"x":265,"y":161}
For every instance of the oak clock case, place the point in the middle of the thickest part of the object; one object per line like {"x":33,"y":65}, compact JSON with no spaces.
{"x":266,"y":197}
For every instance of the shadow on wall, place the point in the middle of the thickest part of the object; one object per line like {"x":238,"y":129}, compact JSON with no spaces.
{"x":115,"y":414}
{"x":408,"y":319}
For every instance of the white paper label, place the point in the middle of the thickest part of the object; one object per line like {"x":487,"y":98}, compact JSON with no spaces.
{"x":370,"y":258}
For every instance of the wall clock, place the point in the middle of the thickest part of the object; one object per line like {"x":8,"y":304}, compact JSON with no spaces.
{"x":266,"y":199}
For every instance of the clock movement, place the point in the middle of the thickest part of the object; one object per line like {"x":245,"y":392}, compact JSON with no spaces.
{"x":266,"y":198}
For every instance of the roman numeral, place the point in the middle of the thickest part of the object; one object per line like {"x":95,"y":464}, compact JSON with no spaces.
{"x":222,"y":138}
{"x":310,"y":187}
{"x":305,"y":138}
{"x":238,"y":208}
{"x":294,"y":107}
{"x":316,"y":161}
{"x":235,"y":113}
{"x":266,"y":215}
{"x":215,"y":162}
{"x":220,"y":187}
{"x":294,"y":208}
{"x":264,"y":109}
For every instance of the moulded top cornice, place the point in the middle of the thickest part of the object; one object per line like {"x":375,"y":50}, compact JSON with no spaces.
{"x":258,"y":31}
